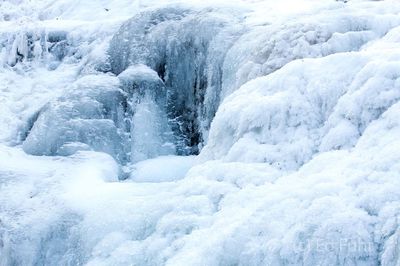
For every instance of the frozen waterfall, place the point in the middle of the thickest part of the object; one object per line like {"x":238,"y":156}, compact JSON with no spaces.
{"x":199,"y":133}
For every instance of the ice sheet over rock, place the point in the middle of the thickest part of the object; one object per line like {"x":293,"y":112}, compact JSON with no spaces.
{"x":91,"y":112}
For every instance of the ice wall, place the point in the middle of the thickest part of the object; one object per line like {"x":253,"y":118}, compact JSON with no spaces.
{"x":186,"y":48}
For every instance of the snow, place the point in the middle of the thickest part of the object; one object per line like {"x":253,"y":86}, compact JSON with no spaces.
{"x":293,"y":107}
{"x":162,"y":169}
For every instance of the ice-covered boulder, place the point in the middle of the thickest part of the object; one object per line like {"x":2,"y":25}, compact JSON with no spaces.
{"x":91,"y":112}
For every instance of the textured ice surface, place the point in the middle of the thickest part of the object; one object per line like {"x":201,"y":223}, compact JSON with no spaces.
{"x":149,"y":126}
{"x":186,"y":48}
{"x":90,"y":112}
{"x":300,"y":165}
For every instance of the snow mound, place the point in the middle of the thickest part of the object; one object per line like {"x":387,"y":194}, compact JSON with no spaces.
{"x":162,"y":169}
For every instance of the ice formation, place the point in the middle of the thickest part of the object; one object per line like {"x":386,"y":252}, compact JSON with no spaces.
{"x":186,"y":48}
{"x":203,"y":133}
{"x":90,"y":113}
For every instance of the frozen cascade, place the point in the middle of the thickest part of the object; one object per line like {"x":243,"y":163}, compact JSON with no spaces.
{"x":186,"y":48}
{"x":203,"y":56}
{"x":150,"y":132}
{"x":34,"y":45}
{"x":294,"y":110}
{"x":177,"y":103}
{"x":200,"y":57}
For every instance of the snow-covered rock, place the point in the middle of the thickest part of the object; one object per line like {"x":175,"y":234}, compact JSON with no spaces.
{"x":90,"y":112}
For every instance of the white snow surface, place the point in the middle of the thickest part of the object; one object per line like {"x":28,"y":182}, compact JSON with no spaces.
{"x":299,"y":166}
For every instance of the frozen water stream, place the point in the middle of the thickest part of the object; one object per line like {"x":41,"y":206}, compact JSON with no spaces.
{"x":202,"y":133}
